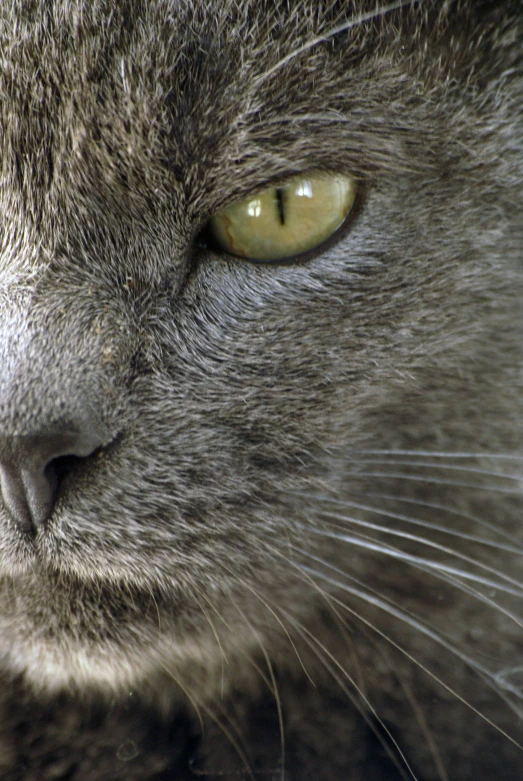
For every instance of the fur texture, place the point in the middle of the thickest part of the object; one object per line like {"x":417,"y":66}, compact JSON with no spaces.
{"x":298,"y":554}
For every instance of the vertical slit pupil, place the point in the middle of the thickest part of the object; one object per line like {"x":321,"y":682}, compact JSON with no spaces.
{"x":281,"y":207}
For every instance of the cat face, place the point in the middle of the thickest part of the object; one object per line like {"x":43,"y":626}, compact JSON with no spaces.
{"x":226,"y":446}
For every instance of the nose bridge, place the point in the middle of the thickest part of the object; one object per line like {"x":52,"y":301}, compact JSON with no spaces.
{"x":29,"y":453}
{"x":36,"y":384}
{"x":52,"y":368}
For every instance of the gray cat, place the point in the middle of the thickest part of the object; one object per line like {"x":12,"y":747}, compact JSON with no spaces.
{"x":261,"y":420}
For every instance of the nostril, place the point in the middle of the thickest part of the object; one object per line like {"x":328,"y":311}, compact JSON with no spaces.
{"x":60,"y":467}
{"x":57,"y":469}
{"x":32,"y":470}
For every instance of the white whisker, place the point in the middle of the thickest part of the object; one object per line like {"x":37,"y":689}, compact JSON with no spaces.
{"x":416,"y":521}
{"x":357,"y":688}
{"x":199,"y":706}
{"x":307,"y":635}
{"x":422,"y":721}
{"x":353,"y":22}
{"x":486,"y":675}
{"x":266,"y":605}
{"x":371,"y":597}
{"x":450,"y":467}
{"x":439,"y":454}
{"x":374,"y":545}
{"x":517,"y":549}
{"x":223,"y":657}
{"x":412,"y":520}
{"x":273,"y":687}
{"x":445,"y":574}
{"x":445,"y":483}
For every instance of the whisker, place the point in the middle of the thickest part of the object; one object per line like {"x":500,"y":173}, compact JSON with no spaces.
{"x":439,"y":454}
{"x":349,"y":695}
{"x":353,"y":22}
{"x":446,"y":483}
{"x":449,"y":467}
{"x":378,"y":547}
{"x":273,"y":687}
{"x":427,"y":566}
{"x":308,"y":637}
{"x":378,"y":602}
{"x":371,"y":597}
{"x":223,"y":657}
{"x":420,"y":716}
{"x":485,"y":676}
{"x":518,"y":549}
{"x":197,"y":705}
{"x":264,"y":602}
{"x":412,"y":520}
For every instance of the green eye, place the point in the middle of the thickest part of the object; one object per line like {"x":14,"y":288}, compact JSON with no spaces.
{"x":285,"y":221}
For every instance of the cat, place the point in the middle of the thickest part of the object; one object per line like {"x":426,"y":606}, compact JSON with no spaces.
{"x":261,"y":516}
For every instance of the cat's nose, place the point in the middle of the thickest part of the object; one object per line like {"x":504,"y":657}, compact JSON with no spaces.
{"x":30,"y":468}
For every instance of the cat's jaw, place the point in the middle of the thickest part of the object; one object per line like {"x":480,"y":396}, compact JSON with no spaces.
{"x":108,"y":669}
{"x":112,"y":655}
{"x":61,"y":632}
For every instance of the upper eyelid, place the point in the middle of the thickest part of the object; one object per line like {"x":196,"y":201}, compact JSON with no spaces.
{"x":278,"y":181}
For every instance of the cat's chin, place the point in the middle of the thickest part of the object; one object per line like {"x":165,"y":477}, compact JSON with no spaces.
{"x":105,"y":668}
{"x":60,"y":634}
{"x":48,"y":667}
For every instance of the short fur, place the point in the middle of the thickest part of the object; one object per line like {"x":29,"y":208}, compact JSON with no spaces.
{"x":299,"y":553}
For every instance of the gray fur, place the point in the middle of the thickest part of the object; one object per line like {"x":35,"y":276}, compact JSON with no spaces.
{"x":188,"y":609}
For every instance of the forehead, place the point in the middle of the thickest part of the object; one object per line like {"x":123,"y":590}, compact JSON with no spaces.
{"x":140,"y":69}
{"x":161,"y":104}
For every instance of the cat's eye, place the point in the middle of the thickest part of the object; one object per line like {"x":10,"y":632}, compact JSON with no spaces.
{"x":287,"y":220}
